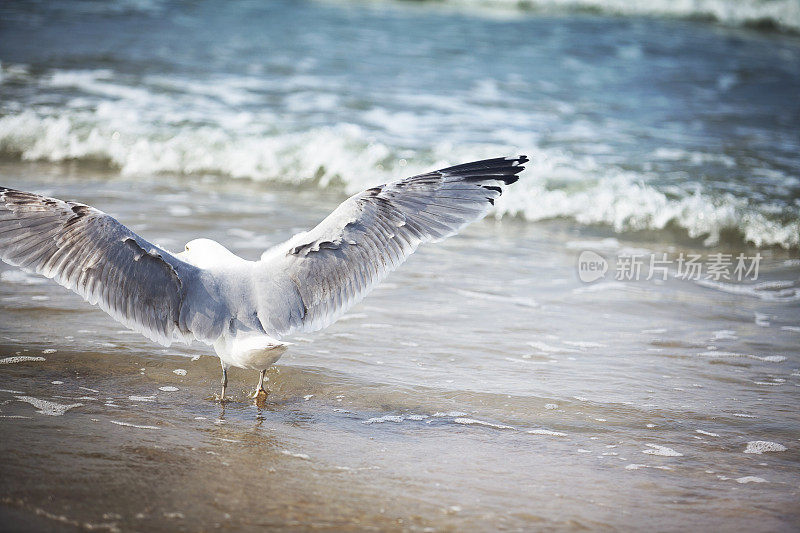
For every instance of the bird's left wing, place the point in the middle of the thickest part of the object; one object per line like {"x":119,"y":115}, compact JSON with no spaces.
{"x":85,"y":250}
{"x":307,"y":282}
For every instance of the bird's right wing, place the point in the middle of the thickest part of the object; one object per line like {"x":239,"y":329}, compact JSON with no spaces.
{"x":307,"y":282}
{"x":87,"y":251}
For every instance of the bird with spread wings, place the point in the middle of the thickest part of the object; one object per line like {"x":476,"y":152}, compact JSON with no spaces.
{"x":245,"y":308}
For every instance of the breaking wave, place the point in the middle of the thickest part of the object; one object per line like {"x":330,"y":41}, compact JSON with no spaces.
{"x":764,"y":14}
{"x":344,"y":155}
{"x":139,"y":130}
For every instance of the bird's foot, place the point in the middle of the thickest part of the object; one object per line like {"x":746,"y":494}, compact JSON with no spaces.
{"x":219,"y":399}
{"x":260,"y":396}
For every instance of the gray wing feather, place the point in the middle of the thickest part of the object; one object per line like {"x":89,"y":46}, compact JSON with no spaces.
{"x":139,"y":284}
{"x":306,"y":283}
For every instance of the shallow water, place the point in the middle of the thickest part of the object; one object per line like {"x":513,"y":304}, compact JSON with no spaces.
{"x":510,"y":394}
{"x":483,"y":386}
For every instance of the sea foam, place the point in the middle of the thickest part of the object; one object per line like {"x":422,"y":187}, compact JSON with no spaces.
{"x":763,"y":446}
{"x":45,"y":407}
{"x":781,"y":13}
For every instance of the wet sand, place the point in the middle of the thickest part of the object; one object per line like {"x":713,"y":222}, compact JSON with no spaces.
{"x":135,"y":458}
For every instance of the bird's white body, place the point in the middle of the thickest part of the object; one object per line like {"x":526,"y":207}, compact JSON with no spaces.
{"x":253,"y":352}
{"x":243,"y":308}
{"x":240,"y":344}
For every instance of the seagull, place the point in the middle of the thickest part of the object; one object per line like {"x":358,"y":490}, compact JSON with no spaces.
{"x":244,"y":309}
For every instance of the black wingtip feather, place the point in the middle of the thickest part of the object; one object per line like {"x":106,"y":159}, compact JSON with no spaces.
{"x":503,"y":169}
{"x":497,"y":164}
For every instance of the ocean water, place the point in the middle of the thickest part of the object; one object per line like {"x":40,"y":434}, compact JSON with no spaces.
{"x":487,"y":383}
{"x":634,"y":123}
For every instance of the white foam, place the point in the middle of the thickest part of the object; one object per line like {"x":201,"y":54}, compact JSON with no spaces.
{"x":775,"y":383}
{"x":20,"y":359}
{"x":783,"y":13}
{"x":725,"y":334}
{"x":450,"y":413}
{"x":168,"y":388}
{"x":637,"y":466}
{"x":551,"y":406}
{"x":750,"y":479}
{"x":706,"y":433}
{"x":626,"y":201}
{"x":45,"y":407}
{"x":585,"y":344}
{"x":137,"y":426}
{"x":382,"y":419}
{"x":179,"y":372}
{"x":547,"y":432}
{"x":772,"y":358}
{"x":141,"y":398}
{"x":472,"y":421}
{"x":763,"y":446}
{"x":662,"y":451}
{"x":297,"y":455}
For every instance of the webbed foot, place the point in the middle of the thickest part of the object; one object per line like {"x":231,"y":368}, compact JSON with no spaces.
{"x":260,"y":395}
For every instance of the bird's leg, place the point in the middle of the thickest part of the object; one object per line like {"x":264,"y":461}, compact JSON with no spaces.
{"x":260,"y":394}
{"x":224,"y":383}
